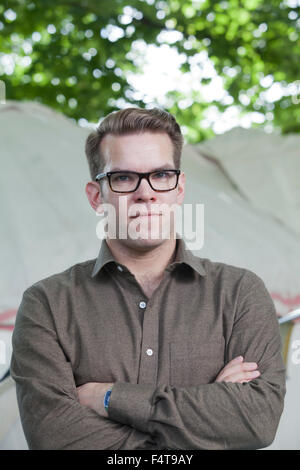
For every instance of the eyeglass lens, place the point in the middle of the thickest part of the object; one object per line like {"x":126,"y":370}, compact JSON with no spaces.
{"x":160,"y":180}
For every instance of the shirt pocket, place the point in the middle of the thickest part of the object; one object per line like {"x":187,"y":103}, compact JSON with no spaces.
{"x":195,"y":363}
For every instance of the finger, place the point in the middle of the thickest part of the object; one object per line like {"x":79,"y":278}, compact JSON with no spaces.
{"x":242,"y":377}
{"x":239,"y":368}
{"x":249,"y":366}
{"x":235,"y":366}
{"x":236,"y":360}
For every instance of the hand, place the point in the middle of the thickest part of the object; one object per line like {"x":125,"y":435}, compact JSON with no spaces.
{"x":238,"y":371}
{"x":92,"y":394}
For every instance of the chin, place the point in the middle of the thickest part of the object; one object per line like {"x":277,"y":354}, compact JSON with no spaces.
{"x":147,"y":239}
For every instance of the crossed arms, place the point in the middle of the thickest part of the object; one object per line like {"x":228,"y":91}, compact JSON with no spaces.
{"x":92,"y":394}
{"x":237,"y":411}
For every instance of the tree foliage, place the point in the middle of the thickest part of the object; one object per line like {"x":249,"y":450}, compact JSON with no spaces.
{"x":74,"y":55}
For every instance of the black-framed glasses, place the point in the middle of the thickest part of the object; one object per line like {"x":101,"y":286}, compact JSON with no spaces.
{"x":129,"y":181}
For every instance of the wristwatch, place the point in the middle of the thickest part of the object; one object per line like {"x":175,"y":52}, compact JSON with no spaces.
{"x":107,"y":398}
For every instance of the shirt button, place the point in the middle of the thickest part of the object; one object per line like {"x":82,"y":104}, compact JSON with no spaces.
{"x":142,"y":304}
{"x":120,"y":268}
{"x":149,"y":352}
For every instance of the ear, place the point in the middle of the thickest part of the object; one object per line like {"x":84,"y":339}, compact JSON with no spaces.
{"x":181,"y":188}
{"x":94,"y":196}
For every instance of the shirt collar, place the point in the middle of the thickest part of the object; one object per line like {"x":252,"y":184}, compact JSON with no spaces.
{"x":105,"y":256}
{"x":183,"y":256}
{"x":186,"y":256}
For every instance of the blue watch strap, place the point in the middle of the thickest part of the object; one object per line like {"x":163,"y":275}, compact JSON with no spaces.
{"x":106,"y":398}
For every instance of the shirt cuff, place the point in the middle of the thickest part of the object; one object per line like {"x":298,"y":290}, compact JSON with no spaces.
{"x":131,"y":404}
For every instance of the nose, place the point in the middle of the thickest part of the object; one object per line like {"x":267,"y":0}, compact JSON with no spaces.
{"x":144,"y":192}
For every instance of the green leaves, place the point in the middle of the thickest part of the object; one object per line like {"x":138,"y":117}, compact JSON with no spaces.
{"x":75,"y":55}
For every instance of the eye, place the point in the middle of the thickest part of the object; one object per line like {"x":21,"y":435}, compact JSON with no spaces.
{"x":160,"y":174}
{"x":122,"y":177}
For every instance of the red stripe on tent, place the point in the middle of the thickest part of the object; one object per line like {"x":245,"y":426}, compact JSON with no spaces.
{"x":7,"y":314}
{"x":289,"y":301}
{"x":7,"y":327}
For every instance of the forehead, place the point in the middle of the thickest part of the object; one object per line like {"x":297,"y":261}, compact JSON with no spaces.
{"x":139,"y":152}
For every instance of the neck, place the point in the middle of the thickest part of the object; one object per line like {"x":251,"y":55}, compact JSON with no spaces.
{"x":150,"y":262}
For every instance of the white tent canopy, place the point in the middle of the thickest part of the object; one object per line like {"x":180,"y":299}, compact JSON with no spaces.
{"x":264,"y":168}
{"x":246,"y":180}
{"x":240,"y":232}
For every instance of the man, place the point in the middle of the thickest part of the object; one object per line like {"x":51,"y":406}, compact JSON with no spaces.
{"x":148,"y":346}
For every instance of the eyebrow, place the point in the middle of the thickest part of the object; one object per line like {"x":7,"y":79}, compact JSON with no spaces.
{"x":167,"y":166}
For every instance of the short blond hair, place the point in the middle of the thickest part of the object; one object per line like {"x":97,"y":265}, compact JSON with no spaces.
{"x":132,"y":121}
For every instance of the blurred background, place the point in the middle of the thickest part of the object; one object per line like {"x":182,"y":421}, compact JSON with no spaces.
{"x":229,"y":71}
{"x":215,"y":64}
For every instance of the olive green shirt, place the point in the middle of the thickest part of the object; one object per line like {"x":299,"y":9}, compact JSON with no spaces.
{"x":94,"y":323}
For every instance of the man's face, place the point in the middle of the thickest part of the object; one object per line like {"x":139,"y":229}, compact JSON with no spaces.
{"x":142,"y":153}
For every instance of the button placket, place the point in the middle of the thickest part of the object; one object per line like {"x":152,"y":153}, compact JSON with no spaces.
{"x":149,"y":345}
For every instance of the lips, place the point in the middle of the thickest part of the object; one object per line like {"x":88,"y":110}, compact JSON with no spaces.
{"x":145,"y":215}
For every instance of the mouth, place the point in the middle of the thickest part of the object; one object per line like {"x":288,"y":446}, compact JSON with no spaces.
{"x":149,"y":214}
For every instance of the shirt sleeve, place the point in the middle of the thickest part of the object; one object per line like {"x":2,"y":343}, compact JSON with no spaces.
{"x":51,"y":415}
{"x":218,"y":415}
